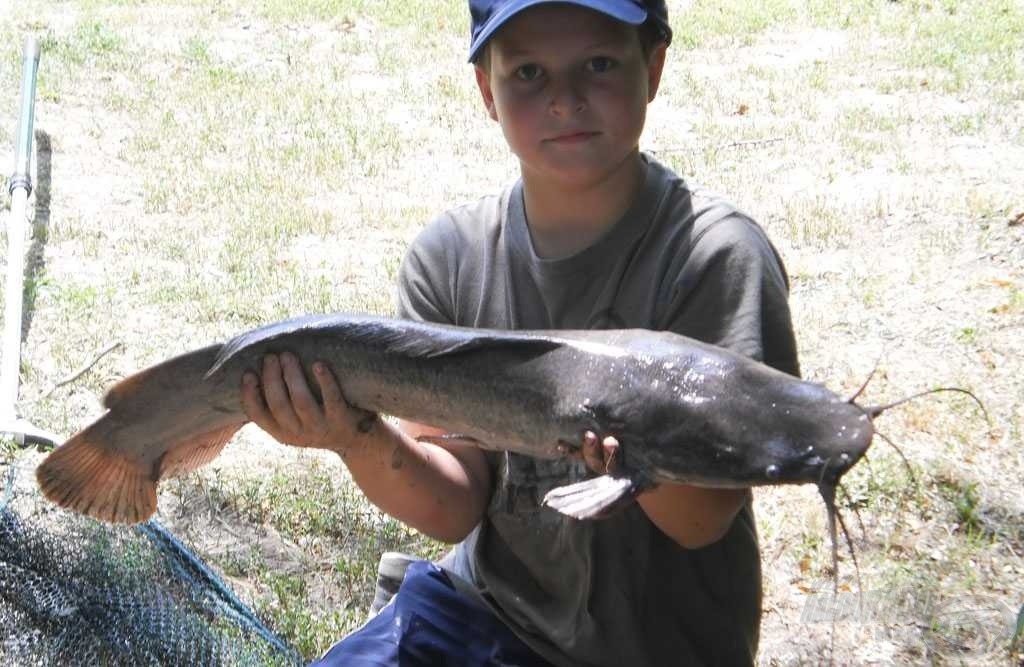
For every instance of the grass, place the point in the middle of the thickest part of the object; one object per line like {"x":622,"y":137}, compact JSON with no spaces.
{"x":216,"y":166}
{"x":341,"y":539}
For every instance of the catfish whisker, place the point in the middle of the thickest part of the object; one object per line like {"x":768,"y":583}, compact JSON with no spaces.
{"x":828,"y":494}
{"x":906,"y":461}
{"x":868,"y":380}
{"x":875,"y":410}
{"x":863,"y":386}
{"x":871,"y":470}
{"x":856,"y":512}
{"x":853,"y":552}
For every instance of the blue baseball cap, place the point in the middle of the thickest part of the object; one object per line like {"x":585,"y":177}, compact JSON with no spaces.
{"x":486,"y":16}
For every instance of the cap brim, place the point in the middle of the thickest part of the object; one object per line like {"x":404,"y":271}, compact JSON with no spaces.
{"x":632,"y":14}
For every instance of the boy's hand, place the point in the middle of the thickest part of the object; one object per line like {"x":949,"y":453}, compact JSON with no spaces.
{"x":600,"y":454}
{"x":280,"y":402}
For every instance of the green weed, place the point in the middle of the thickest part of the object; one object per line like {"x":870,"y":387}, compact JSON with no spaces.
{"x":968,"y":40}
{"x":816,"y":222}
{"x":707,"y":22}
{"x":966,"y":505}
{"x":967,"y":335}
{"x":289,"y":608}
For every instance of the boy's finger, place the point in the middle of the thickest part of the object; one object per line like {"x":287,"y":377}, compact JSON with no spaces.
{"x":334,"y":402}
{"x":609,"y":450}
{"x":592,"y":453}
{"x":275,"y":393}
{"x":577,"y":452}
{"x":252,"y":401}
{"x":307,"y":410}
{"x":256,"y":408}
{"x":341,"y":415}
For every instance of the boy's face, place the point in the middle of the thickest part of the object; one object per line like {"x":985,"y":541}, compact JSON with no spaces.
{"x":570,"y":88}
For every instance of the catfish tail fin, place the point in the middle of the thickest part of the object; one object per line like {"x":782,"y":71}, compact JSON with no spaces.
{"x":161,"y":422}
{"x":86,"y":477}
{"x":89,"y":477}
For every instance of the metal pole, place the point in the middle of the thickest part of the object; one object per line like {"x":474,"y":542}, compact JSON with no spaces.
{"x":20,"y":187}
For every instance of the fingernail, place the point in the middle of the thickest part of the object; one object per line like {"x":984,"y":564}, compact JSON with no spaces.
{"x":249,"y":379}
{"x":319,"y":368}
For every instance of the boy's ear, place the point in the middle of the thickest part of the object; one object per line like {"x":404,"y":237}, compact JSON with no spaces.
{"x":483,"y":82}
{"x":655,"y":65}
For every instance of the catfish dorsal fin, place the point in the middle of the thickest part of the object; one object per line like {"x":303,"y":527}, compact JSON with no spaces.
{"x":431,"y":340}
{"x":442,"y":346}
{"x":405,"y":337}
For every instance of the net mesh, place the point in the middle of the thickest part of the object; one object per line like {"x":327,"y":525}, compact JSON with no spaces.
{"x":74,"y":591}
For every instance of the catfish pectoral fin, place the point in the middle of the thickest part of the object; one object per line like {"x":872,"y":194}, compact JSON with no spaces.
{"x":88,"y":478}
{"x":592,"y":498}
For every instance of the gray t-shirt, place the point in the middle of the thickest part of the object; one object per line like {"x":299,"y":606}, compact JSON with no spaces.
{"x":616,"y":591}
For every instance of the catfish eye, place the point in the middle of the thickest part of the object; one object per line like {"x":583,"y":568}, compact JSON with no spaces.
{"x":772,"y":471}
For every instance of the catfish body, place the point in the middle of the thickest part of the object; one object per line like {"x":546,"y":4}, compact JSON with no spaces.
{"x":682,"y":411}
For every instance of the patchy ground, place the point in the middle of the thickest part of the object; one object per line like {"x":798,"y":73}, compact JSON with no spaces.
{"x":204,"y":168}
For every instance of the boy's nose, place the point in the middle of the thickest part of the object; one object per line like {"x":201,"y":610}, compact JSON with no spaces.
{"x":567,"y":99}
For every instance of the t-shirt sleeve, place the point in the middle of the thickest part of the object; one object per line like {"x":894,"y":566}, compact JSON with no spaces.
{"x":732,"y":291}
{"x":424,"y":289}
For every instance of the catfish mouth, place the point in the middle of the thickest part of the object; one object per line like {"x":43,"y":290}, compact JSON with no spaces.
{"x":838,"y":466}
{"x":820,"y":457}
{"x":859,"y":441}
{"x":814,"y":468}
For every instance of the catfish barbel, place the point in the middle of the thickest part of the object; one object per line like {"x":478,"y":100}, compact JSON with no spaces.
{"x":683,"y":411}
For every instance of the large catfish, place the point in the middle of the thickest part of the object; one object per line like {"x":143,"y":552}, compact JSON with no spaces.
{"x":682,"y":411}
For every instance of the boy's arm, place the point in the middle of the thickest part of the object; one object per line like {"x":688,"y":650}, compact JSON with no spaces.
{"x":710,"y":512}
{"x":440,"y":492}
{"x":692,"y":516}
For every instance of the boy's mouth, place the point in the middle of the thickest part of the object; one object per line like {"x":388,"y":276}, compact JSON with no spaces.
{"x":574,"y":137}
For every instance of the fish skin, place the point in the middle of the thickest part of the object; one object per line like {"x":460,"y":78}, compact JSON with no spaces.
{"x":682,"y":411}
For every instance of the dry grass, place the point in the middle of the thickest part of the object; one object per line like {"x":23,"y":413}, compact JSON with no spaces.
{"x":209,"y":166}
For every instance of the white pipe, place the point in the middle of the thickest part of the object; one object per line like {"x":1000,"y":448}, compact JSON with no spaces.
{"x":10,"y":364}
{"x":20,"y":187}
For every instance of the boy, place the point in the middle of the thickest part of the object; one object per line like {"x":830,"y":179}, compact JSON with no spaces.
{"x":594,"y":235}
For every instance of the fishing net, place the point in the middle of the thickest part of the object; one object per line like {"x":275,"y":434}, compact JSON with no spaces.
{"x":74,"y":591}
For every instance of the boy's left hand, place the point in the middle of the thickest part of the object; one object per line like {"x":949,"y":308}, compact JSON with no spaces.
{"x":600,"y":454}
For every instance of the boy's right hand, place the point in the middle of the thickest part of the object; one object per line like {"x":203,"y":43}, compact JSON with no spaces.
{"x":280,"y":402}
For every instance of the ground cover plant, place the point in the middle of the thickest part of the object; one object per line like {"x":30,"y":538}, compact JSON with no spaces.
{"x":206,"y":167}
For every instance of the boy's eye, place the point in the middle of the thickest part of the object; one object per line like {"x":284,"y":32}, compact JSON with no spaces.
{"x":528,"y":72}
{"x":600,"y":64}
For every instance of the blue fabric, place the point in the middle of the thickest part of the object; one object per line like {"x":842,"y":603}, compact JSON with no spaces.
{"x":486,"y":16}
{"x":430,"y":624}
